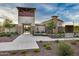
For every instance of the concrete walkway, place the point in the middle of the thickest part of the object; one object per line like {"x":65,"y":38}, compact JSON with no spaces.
{"x":46,"y":38}
{"x":24,"y":41}
{"x":27,"y":41}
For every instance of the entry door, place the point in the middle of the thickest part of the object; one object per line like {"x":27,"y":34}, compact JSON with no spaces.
{"x":26,"y":28}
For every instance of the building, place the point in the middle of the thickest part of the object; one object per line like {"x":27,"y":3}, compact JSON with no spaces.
{"x":69,"y":30}
{"x":58,"y":24}
{"x":26,"y":19}
{"x":26,"y":22}
{"x":39,"y":28}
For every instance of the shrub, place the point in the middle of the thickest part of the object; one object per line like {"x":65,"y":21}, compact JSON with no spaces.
{"x":23,"y":52}
{"x":64,"y":49}
{"x":40,"y":41}
{"x":13,"y":53}
{"x":47,"y":46}
{"x":36,"y":50}
{"x":44,"y":45}
{"x":2,"y":34}
{"x":15,"y":33}
{"x":74,"y":43}
{"x":77,"y":40}
{"x":57,"y":41}
{"x":7,"y":34}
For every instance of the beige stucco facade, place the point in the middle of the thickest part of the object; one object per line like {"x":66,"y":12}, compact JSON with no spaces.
{"x":26,"y":16}
{"x":58,"y":24}
{"x":39,"y":28}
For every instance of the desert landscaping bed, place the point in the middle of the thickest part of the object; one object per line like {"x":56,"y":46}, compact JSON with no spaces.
{"x":44,"y":51}
{"x":8,"y":39}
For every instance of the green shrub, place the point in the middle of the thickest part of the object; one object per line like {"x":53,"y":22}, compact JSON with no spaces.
{"x":36,"y":50}
{"x":57,"y":41}
{"x":14,"y":33}
{"x":2,"y":34}
{"x":23,"y":52}
{"x":7,"y":34}
{"x":40,"y":41}
{"x":47,"y":46}
{"x":44,"y":45}
{"x":64,"y":49}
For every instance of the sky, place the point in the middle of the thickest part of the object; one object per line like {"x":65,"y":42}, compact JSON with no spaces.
{"x":66,"y":11}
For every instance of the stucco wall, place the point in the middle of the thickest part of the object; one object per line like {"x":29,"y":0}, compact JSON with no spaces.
{"x":26,"y":20}
{"x":39,"y":28}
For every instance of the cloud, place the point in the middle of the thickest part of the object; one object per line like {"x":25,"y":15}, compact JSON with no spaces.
{"x":49,"y":7}
{"x":66,"y":12}
{"x":42,"y":19}
{"x":9,"y":10}
{"x":68,"y":23}
{"x":10,"y":13}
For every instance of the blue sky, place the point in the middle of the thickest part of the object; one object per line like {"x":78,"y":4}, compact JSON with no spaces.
{"x":66,"y":11}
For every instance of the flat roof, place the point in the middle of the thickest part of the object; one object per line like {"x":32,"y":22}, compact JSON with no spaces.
{"x":25,"y":8}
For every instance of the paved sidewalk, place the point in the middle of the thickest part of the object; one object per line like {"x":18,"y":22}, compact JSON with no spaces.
{"x":46,"y":38}
{"x":24,"y":41}
{"x":27,"y":41}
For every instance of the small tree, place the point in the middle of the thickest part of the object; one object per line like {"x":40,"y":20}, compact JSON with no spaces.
{"x":0,"y":26}
{"x":64,"y":49}
{"x":51,"y":26}
{"x":8,"y":24}
{"x":76,"y":29}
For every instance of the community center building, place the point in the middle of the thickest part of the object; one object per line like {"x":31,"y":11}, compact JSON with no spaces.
{"x":26,"y":22}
